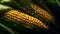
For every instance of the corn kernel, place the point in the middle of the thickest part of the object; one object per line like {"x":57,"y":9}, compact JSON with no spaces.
{"x":43,"y":13}
{"x":26,"y":19}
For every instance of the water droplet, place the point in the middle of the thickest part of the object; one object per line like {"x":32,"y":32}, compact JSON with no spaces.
{"x":30,"y":8}
{"x":29,"y":0}
{"x":32,"y":13}
{"x":35,"y":12}
{"x":24,"y":8}
{"x":14,"y":24}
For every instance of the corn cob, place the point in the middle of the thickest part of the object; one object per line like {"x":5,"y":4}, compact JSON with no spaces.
{"x":23,"y":6}
{"x":26,"y":19}
{"x":42,"y":4}
{"x":43,"y":13}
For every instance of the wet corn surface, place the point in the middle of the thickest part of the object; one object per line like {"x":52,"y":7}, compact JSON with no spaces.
{"x":43,"y":13}
{"x":29,"y":17}
{"x":26,"y":19}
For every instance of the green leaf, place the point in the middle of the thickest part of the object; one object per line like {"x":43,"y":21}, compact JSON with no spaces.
{"x":4,"y":7}
{"x":58,"y":2}
{"x":8,"y":29}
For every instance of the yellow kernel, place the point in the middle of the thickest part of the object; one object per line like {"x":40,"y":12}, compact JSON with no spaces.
{"x":26,"y":19}
{"x":43,"y":13}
